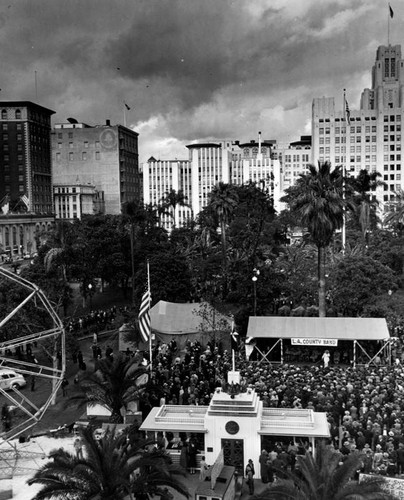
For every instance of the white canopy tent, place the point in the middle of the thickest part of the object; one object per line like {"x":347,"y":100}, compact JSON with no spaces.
{"x":324,"y":332}
{"x":181,"y":322}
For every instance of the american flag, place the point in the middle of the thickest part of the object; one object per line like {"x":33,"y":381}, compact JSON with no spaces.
{"x":235,"y":337}
{"x":347,"y":113}
{"x":144,"y":317}
{"x":24,"y":198}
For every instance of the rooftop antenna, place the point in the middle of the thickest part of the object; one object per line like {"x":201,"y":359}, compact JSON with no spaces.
{"x":36,"y":88}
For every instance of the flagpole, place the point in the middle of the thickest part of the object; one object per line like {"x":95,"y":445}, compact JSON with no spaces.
{"x":388,"y":25}
{"x":150,"y":333}
{"x":343,"y":231}
{"x":233,"y":354}
{"x":124,"y":115}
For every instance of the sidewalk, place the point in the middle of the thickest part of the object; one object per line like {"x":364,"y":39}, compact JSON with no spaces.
{"x":192,"y":482}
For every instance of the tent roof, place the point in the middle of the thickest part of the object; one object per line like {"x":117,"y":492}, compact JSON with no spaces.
{"x":323,"y":328}
{"x":172,"y":318}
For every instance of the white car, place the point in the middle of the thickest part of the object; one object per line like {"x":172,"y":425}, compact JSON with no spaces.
{"x":9,"y":379}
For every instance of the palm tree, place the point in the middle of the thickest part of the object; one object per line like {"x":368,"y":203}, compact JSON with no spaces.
{"x":114,"y":385}
{"x":135,"y":214}
{"x":115,"y":467}
{"x":395,"y":217}
{"x":223,"y":200}
{"x":317,"y":199}
{"x":172,"y":199}
{"x":325,"y":478}
{"x":365,"y":202}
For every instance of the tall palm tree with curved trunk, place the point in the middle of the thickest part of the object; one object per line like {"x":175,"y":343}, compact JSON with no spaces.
{"x":223,"y":200}
{"x":364,"y":201}
{"x":115,"y":467}
{"x":325,"y":478}
{"x":113,"y":385}
{"x":172,"y":199}
{"x":317,"y":199}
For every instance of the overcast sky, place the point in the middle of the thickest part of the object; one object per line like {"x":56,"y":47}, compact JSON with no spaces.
{"x":191,"y":69}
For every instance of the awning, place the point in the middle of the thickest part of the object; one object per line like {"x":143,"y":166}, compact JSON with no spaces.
{"x":324,"y":328}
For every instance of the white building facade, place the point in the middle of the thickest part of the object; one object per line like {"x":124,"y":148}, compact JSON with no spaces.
{"x":210,"y":163}
{"x":238,"y":424}
{"x":371,"y":139}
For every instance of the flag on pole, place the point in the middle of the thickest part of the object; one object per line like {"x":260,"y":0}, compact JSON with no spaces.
{"x":249,"y":346}
{"x":235,"y":337}
{"x":5,"y":204}
{"x":24,"y":198}
{"x":144,"y":317}
{"x":391,"y":12}
{"x":347,"y":113}
{"x":126,"y":106}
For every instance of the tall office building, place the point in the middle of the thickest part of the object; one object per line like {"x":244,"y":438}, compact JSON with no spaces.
{"x":25,"y":176}
{"x":162,"y":176}
{"x":369,"y":138}
{"x":210,"y":163}
{"x":255,"y":161}
{"x":104,"y":157}
{"x":294,"y":158}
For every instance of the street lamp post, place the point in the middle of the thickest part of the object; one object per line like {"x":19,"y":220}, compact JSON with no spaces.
{"x":90,"y":292}
{"x":256,"y":273}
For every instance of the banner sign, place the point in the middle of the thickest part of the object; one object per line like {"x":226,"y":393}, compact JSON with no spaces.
{"x":320,"y":342}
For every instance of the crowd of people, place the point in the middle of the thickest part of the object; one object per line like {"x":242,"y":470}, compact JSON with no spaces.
{"x":364,"y":405}
{"x":189,"y":377}
{"x":100,"y":319}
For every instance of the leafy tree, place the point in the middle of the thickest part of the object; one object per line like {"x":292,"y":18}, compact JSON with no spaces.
{"x":213,"y":324}
{"x":250,"y":229}
{"x":317,"y":199}
{"x":356,"y":280}
{"x":387,"y":247}
{"x":170,"y":278}
{"x":116,"y":467}
{"x":296,"y":272}
{"x":324,"y":478}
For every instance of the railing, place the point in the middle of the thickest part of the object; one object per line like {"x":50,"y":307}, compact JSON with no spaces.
{"x":286,"y":423}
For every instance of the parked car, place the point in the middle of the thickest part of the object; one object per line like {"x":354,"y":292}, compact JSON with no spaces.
{"x":9,"y":379}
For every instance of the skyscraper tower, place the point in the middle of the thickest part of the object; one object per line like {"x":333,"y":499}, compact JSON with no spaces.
{"x":370,"y":138}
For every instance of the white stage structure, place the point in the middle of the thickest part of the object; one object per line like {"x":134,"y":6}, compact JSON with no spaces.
{"x":236,"y":421}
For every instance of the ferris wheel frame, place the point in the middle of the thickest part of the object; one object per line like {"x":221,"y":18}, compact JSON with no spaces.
{"x":54,"y":373}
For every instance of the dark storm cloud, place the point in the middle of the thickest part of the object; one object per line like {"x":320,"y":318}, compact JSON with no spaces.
{"x":190,"y":68}
{"x":196,"y":47}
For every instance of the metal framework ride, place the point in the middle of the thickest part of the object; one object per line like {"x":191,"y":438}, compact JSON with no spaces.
{"x":31,"y":411}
